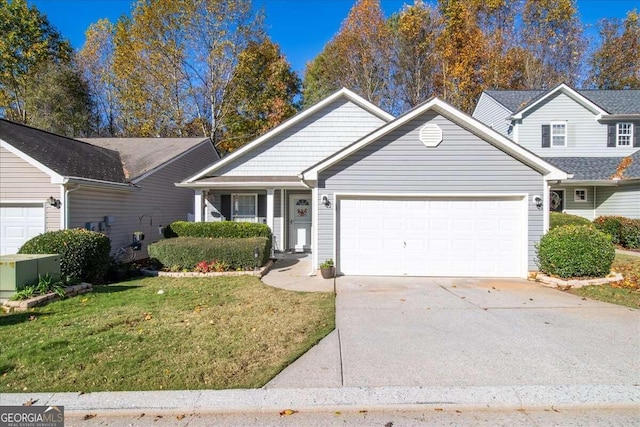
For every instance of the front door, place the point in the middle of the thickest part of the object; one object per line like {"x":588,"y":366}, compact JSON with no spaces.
{"x":300,"y":222}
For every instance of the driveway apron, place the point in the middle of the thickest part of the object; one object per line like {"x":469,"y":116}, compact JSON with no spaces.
{"x":401,"y":331}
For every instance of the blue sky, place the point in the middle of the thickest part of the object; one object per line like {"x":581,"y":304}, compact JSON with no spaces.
{"x":300,"y":27}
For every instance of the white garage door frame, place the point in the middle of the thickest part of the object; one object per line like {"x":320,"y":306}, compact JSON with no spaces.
{"x":30,"y":203}
{"x":521,"y":198}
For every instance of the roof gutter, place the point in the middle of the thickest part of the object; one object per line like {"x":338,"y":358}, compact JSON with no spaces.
{"x":617,"y":117}
{"x":600,"y":182}
{"x":88,"y":182}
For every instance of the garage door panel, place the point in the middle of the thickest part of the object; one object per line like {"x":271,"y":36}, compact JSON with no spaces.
{"x":19,"y":224}
{"x":458,"y":237}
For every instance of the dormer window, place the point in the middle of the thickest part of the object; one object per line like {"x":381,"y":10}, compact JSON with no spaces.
{"x":624,"y":131}
{"x":558,"y":134}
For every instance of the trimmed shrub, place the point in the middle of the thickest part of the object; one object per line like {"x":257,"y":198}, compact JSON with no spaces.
{"x":610,"y":225}
{"x":220,"y":229}
{"x":630,"y":233}
{"x":558,"y":219}
{"x":624,"y":231}
{"x":187,"y":252}
{"x":84,"y":254}
{"x":575,"y":251}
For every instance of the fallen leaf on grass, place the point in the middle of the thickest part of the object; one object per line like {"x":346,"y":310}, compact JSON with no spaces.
{"x":32,"y":318}
{"x":288,"y":412}
{"x":88,"y":417}
{"x":29,"y":402}
{"x":148,"y":316}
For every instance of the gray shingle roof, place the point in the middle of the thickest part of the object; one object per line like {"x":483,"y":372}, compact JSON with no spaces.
{"x":65,"y":156}
{"x":140,"y":155}
{"x":612,"y":101}
{"x":596,"y":168}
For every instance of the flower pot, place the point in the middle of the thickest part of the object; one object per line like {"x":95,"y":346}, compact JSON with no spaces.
{"x":328,"y":272}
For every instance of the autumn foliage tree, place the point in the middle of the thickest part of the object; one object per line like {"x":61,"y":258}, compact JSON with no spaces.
{"x":616,"y":63}
{"x":262,"y":94}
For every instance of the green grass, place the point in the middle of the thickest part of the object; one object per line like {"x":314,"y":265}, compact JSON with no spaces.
{"x":625,"y":293}
{"x":202,"y":333}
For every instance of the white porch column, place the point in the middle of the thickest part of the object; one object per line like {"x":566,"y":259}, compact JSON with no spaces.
{"x":197,"y":206}
{"x":270,"y":208}
{"x":546,"y":200}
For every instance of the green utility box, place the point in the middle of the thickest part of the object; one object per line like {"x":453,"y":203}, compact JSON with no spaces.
{"x":18,"y":271}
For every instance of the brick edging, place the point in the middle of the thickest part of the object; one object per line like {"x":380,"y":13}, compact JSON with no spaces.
{"x":260,"y":273}
{"x":555,"y":282}
{"x":25,"y":304}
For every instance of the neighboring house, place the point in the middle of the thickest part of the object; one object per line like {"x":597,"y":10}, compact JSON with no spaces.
{"x":594,"y":135}
{"x":116,"y":186}
{"x":431,"y":193}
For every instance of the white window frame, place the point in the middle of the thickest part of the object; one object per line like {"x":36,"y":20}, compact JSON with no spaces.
{"x":242,"y":218}
{"x":579,"y":199}
{"x":552,"y":134}
{"x":629,"y":135}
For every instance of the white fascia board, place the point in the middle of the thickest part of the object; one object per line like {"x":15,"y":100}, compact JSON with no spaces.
{"x":56,"y":178}
{"x":178,"y":157}
{"x":242,"y":185}
{"x":292,"y":121}
{"x":567,"y":91}
{"x":457,"y":116}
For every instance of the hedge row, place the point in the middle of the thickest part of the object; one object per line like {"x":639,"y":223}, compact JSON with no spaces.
{"x":558,"y":219}
{"x":219,"y":229}
{"x":575,"y":251}
{"x":186,"y":252}
{"x":84,"y":254}
{"x":623,"y":231}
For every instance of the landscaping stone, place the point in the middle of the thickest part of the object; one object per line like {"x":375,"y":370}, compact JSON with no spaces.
{"x":26,"y":304}
{"x":556,"y":282}
{"x":258,"y":273}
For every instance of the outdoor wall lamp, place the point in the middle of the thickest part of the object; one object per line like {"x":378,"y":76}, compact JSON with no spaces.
{"x":54,"y":202}
{"x":538,"y":201}
{"x":325,"y":201}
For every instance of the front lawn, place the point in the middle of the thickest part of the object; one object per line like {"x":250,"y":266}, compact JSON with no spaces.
{"x":625,"y":293}
{"x":200,"y":333}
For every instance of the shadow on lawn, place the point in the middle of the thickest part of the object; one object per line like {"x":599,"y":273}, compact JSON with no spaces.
{"x":110,"y":289}
{"x":21,"y":317}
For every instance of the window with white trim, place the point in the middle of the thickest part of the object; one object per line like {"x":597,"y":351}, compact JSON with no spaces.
{"x":580,"y":195}
{"x":624,"y":132}
{"x":244,"y":207}
{"x":558,"y":134}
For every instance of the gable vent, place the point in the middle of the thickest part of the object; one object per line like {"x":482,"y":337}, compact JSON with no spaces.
{"x":431,"y":135}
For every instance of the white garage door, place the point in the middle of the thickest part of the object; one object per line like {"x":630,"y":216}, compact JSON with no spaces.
{"x":431,"y":237}
{"x":19,"y":223}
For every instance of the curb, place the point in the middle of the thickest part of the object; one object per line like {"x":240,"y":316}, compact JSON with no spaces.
{"x":339,"y":399}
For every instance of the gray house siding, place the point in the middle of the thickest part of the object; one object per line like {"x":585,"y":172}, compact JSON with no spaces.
{"x":306,"y":143}
{"x":585,"y":135}
{"x":493,"y":114}
{"x":20,"y":180}
{"x":399,"y":163}
{"x":624,"y":201}
{"x":158,"y":202}
{"x":571,"y":206}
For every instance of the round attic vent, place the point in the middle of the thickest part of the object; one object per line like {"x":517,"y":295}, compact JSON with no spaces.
{"x":431,"y":135}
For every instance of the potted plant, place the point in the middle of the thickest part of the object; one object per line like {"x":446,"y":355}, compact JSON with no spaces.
{"x":327,"y":269}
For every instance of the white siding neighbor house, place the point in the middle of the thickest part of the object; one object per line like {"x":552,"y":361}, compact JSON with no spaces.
{"x":594,"y":135}
{"x":115,"y":186}
{"x":433,"y":192}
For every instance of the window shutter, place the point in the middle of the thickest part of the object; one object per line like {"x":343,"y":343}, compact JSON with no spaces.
{"x":636,"y":135}
{"x":262,"y":205}
{"x":546,"y":136}
{"x":611,"y":135}
{"x":225,"y":206}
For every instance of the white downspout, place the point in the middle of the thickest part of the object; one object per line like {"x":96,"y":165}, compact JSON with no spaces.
{"x":66,"y":205}
{"x":595,"y":195}
{"x":546,"y":199}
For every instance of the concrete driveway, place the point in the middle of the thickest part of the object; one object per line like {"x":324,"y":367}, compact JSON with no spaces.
{"x":468,"y":332}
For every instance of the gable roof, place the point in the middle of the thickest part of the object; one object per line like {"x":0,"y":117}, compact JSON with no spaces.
{"x":455,"y":115}
{"x":597,"y":168}
{"x":611,"y":101}
{"x":341,"y":94}
{"x":142,"y":155}
{"x":60,"y":156}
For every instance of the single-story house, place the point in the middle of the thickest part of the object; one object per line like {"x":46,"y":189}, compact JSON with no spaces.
{"x":433,"y":192}
{"x":115,"y":186}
